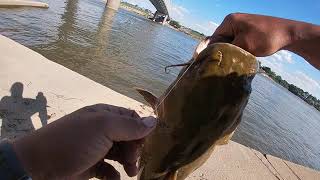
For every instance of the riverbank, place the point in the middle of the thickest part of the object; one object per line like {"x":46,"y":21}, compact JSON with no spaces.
{"x":136,"y":9}
{"x":66,"y":91}
{"x":305,"y":96}
{"x":148,"y":14}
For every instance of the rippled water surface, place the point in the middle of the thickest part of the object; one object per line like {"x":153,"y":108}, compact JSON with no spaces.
{"x":122,"y":50}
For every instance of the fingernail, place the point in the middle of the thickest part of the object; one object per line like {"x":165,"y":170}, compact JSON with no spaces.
{"x":149,"y":122}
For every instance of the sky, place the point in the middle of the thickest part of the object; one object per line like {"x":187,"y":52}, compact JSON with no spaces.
{"x":205,"y":15}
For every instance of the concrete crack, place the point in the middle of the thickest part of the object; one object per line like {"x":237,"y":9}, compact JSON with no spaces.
{"x":65,"y":98}
{"x":277,"y":174}
{"x":292,"y":170}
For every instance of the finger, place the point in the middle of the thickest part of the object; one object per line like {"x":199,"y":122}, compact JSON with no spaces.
{"x":113,"y":109}
{"x":105,"y":170}
{"x":226,"y":27}
{"x":125,"y":152}
{"x":225,"y":32}
{"x":132,"y":151}
{"x":128,"y":129}
{"x":123,"y":111}
{"x":131,"y":169}
{"x":201,"y":46}
{"x":219,"y":38}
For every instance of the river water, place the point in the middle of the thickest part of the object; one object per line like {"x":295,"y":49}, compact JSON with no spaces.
{"x":122,"y":50}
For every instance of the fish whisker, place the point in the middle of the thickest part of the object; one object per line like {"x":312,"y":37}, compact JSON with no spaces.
{"x":175,"y":65}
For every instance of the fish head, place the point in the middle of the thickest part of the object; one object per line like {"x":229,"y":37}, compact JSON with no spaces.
{"x":214,"y":90}
{"x":223,"y":59}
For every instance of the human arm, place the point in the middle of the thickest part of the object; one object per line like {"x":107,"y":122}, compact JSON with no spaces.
{"x":41,"y":102}
{"x":75,"y":146}
{"x":265,"y":35}
{"x":306,"y":43}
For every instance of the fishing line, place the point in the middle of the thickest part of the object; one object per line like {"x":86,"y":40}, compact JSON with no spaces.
{"x":199,"y":48}
{"x":175,"y":84}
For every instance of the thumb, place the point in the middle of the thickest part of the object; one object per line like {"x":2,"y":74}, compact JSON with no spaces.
{"x":128,"y":129}
{"x":201,"y":46}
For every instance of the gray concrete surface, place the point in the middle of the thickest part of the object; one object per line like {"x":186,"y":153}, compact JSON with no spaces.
{"x":22,"y":3}
{"x":63,"y":91}
{"x":290,"y":170}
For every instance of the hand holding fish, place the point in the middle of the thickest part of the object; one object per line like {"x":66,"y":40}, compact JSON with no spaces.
{"x":265,"y":35}
{"x":75,"y":146}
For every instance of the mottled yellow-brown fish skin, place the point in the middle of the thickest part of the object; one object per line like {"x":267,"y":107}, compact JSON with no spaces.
{"x":202,"y":111}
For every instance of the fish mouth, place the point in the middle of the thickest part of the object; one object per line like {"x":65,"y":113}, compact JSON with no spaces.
{"x":219,"y":59}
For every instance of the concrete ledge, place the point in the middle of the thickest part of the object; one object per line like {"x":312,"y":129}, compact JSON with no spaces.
{"x":65,"y":90}
{"x":22,"y":3}
{"x":60,"y":91}
{"x":289,"y":170}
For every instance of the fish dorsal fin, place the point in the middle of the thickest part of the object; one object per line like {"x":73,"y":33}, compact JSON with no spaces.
{"x":149,"y":97}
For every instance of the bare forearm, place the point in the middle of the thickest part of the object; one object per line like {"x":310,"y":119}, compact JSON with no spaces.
{"x":306,"y":42}
{"x":265,"y":35}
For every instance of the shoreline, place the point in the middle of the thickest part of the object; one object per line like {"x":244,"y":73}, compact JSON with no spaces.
{"x":136,"y":11}
{"x":144,"y":14}
{"x":285,"y":89}
{"x":315,"y":103}
{"x":38,"y":74}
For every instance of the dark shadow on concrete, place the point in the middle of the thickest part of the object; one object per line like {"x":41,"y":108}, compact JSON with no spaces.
{"x":16,"y":112}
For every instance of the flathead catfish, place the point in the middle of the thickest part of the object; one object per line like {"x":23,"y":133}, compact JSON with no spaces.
{"x":199,"y":110}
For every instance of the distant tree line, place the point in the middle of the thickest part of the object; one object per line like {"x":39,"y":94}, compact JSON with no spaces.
{"x":146,"y":11}
{"x":186,"y":30}
{"x":307,"y":97}
{"x":197,"y":33}
{"x":175,"y":24}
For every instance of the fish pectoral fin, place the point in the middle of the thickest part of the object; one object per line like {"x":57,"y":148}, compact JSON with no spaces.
{"x":173,"y":175}
{"x":148,"y":96}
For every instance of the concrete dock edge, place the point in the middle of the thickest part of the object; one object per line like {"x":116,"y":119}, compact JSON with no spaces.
{"x":66,"y":91}
{"x":22,"y":3}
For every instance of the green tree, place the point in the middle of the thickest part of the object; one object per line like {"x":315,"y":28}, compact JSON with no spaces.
{"x":278,"y":78}
{"x":307,"y":97}
{"x":175,"y":24}
{"x":266,"y":69}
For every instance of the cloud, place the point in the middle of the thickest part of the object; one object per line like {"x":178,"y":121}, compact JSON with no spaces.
{"x":206,"y":28}
{"x":305,"y":82}
{"x":277,"y":61}
{"x":306,"y":79}
{"x":213,"y":24}
{"x":285,"y":56}
{"x":181,"y":9}
{"x":184,"y":15}
{"x":178,"y":12}
{"x":202,"y":27}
